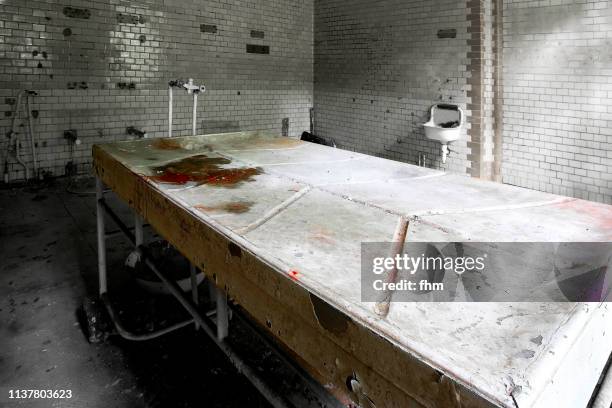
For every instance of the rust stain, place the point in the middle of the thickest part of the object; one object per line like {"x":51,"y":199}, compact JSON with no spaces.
{"x":235,"y":207}
{"x":294,"y":274}
{"x":166,"y":144}
{"x":322,"y":234}
{"x":174,"y":144}
{"x":201,"y":169}
{"x":599,"y":213}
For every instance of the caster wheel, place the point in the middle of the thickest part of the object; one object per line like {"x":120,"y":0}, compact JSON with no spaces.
{"x":96,"y":321}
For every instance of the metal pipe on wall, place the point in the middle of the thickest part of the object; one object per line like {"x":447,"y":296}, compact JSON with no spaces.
{"x":195,"y":114}
{"x":17,"y":104}
{"x":13,"y":139}
{"x":170,"y":102}
{"x":32,"y":142}
{"x":498,"y":90}
{"x":19,"y":160}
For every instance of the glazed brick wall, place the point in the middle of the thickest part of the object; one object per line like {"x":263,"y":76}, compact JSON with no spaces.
{"x":379,"y":66}
{"x":120,"y":58}
{"x":558,"y":97}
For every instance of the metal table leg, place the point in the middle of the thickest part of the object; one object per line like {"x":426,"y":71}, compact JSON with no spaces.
{"x":222,"y":309}
{"x":194,"y":287}
{"x":101,"y":236}
{"x":138,"y":230}
{"x":137,"y":238}
{"x":222,"y":315}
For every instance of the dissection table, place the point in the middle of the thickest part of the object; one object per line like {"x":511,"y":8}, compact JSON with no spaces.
{"x":277,"y":224}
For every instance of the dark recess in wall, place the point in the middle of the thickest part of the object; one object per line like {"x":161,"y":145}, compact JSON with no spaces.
{"x":450,"y":33}
{"x":208,"y":28}
{"x":130,"y":19}
{"x":76,"y":13}
{"x":79,"y":85}
{"x":257,"y":34}
{"x":257,"y":49}
{"x":126,"y":85}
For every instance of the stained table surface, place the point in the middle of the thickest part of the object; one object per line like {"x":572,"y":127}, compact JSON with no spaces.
{"x":310,"y":207}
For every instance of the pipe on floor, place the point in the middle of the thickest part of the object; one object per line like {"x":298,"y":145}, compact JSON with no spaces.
{"x":126,"y":334}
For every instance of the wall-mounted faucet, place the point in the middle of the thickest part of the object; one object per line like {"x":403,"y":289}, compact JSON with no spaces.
{"x":191,"y":88}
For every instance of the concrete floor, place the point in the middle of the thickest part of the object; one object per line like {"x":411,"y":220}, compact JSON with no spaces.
{"x":47,"y":267}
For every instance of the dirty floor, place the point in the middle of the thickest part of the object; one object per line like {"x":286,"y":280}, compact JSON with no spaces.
{"x":47,"y":267}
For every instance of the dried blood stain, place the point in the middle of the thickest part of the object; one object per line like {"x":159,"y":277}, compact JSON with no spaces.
{"x":201,"y":169}
{"x":236,"y":207}
{"x":166,"y":144}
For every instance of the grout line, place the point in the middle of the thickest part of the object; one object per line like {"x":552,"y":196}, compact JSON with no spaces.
{"x":390,"y":180}
{"x":532,"y":204}
{"x":274,"y":211}
{"x":310,"y":162}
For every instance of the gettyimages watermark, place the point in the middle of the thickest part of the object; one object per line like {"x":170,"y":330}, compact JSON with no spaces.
{"x":486,"y":272}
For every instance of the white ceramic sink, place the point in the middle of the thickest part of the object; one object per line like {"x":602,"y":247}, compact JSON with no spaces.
{"x":444,"y":126}
{"x":442,"y":135}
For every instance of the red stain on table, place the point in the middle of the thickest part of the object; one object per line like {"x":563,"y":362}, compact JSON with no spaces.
{"x":172,"y":178}
{"x":230,"y":177}
{"x":201,"y":169}
{"x":295,"y":275}
{"x":322,"y":234}
{"x":600,"y":214}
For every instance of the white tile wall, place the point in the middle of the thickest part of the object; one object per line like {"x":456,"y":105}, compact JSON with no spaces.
{"x":558,"y":97}
{"x":379,"y":66}
{"x":257,"y":91}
